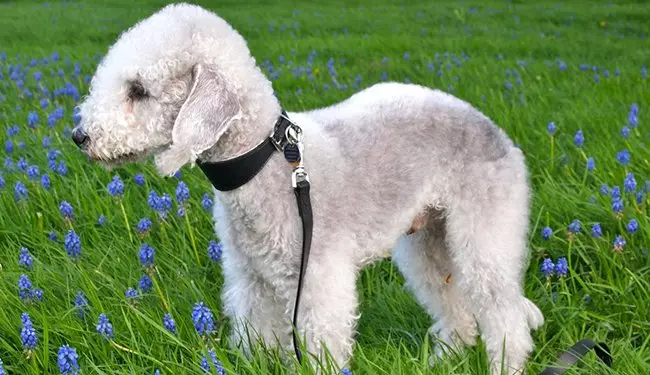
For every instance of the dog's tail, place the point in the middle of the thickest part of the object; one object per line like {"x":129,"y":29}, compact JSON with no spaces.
{"x":533,"y":314}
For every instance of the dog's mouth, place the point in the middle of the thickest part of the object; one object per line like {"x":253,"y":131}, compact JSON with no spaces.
{"x":119,"y":159}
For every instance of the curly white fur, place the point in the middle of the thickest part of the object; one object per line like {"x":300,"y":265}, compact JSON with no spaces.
{"x":376,"y":161}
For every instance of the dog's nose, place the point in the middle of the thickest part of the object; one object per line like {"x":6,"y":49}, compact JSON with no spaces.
{"x":80,"y":138}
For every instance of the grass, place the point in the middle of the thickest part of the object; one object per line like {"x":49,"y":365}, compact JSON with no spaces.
{"x":605,"y":295}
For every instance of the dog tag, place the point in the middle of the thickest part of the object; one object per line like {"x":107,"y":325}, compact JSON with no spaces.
{"x":292,"y":153}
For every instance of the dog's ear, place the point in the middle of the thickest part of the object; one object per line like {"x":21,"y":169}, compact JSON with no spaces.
{"x":205,"y":115}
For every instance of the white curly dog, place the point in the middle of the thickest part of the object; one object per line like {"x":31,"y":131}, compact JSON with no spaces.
{"x":395,"y":166}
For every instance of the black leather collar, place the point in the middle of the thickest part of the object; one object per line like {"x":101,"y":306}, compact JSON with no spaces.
{"x":232,"y":173}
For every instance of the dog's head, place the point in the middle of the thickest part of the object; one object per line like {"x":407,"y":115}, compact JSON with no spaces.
{"x":163,"y":89}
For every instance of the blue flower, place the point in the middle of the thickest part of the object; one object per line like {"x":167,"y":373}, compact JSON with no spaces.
{"x":67,"y":360}
{"x":630,"y":183}
{"x":28,"y":333}
{"x":9,"y":146}
{"x":116,"y":187}
{"x":215,"y":250}
{"x":632,"y":117}
{"x":24,"y":288}
{"x":616,"y":191}
{"x":346,"y":371}
{"x":619,"y":243}
{"x":52,"y":236}
{"x":22,"y":164}
{"x":62,"y":169}
{"x":575,"y":226}
{"x":547,"y":232}
{"x":45,"y":181}
{"x":81,"y":304}
{"x":202,"y":318}
{"x":101,"y":220}
{"x":596,"y":230}
{"x":206,"y":202}
{"x":143,"y":225}
{"x":551,"y":128}
{"x":632,"y":226}
{"x":32,"y":119}
{"x":66,"y":210}
{"x":104,"y":327}
{"x":2,"y":182}
{"x":623,"y":157}
{"x":2,"y":369}
{"x":561,"y":267}
{"x":617,"y":205}
{"x":25,"y":259}
{"x":146,"y":254}
{"x":579,"y":139}
{"x":20,"y":191}
{"x":182,"y":192}
{"x":72,"y":244}
{"x":131,"y":293}
{"x":547,"y":267}
{"x":145,"y":283}
{"x":139,"y":179}
{"x":32,"y":172}
{"x":53,"y":154}
{"x":169,"y":323}
{"x":625,"y":132}
{"x":205,"y":364}
{"x":591,"y":164}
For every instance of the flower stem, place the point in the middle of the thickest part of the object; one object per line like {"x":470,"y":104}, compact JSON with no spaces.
{"x":126,"y":221}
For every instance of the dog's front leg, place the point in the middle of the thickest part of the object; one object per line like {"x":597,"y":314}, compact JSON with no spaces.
{"x":328,"y":304}
{"x":255,"y":311}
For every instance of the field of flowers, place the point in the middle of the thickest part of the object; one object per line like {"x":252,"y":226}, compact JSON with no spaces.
{"x":118,"y":271}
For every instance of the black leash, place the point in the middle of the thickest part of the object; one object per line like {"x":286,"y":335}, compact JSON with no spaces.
{"x":577,"y":351}
{"x":232,"y":173}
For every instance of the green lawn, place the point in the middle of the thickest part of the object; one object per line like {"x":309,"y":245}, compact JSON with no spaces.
{"x":580,"y":65}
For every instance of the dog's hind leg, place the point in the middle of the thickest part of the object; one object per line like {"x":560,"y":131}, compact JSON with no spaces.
{"x":423,"y":258}
{"x":487,"y":230}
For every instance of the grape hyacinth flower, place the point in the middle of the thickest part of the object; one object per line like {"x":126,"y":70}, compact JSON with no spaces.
{"x":205,"y":364}
{"x":66,"y":210}
{"x":28,"y":334}
{"x":67,"y":360}
{"x":131,"y":294}
{"x":144,"y":225}
{"x":104,"y":327}
{"x":139,"y":179}
{"x":2,"y":369}
{"x":561,"y":267}
{"x":206,"y":202}
{"x":596,"y":230}
{"x":46,"y":183}
{"x":20,"y":191}
{"x":72,"y":244}
{"x":52,"y":236}
{"x":182,"y":192}
{"x":62,"y":169}
{"x":617,"y":207}
{"x":202,"y":318}
{"x":215,"y":251}
{"x":632,"y":226}
{"x":101,"y":220}
{"x":630,"y":183}
{"x":116,"y":187}
{"x":547,"y":267}
{"x":24,"y":287}
{"x":145,"y":283}
{"x":81,"y":304}
{"x":591,"y":164}
{"x":169,"y":323}
{"x":25,"y":259}
{"x":579,"y":139}
{"x":623,"y":157}
{"x":619,"y":244}
{"x":574,"y":227}
{"x":346,"y":371}
{"x":625,"y":132}
{"x":604,"y":189}
{"x":146,"y":254}
{"x":616,"y":192}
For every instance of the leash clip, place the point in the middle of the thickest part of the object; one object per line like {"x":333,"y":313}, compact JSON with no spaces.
{"x":299,"y":174}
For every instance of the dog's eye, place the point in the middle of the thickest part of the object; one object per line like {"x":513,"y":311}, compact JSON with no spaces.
{"x":137,"y":91}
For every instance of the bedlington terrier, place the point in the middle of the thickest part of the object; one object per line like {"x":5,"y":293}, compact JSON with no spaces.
{"x":395,"y":166}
